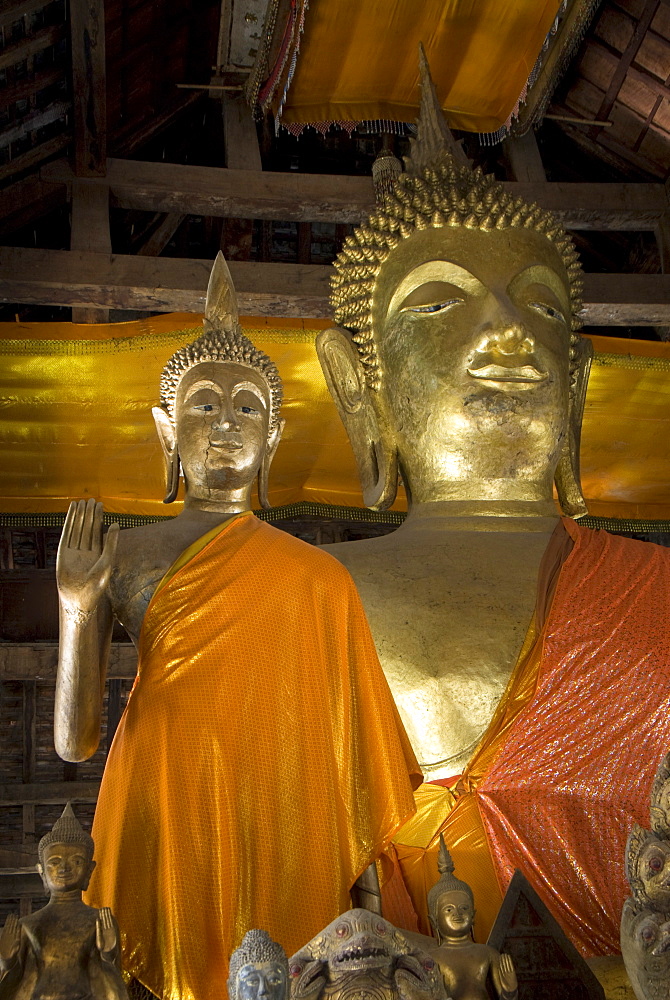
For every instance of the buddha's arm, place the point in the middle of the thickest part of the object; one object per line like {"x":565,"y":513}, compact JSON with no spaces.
{"x":83,"y":570}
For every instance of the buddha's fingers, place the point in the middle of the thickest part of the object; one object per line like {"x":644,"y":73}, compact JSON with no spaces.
{"x":87,"y":529}
{"x":69,"y":523}
{"x":106,"y":916}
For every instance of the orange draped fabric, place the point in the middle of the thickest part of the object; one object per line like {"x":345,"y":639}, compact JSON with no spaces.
{"x":567,"y":764}
{"x":259,"y":767}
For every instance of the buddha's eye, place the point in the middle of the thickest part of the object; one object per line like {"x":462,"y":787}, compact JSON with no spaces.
{"x":247,"y":409}
{"x":546,"y":310}
{"x":436,"y":307}
{"x":205,"y":407}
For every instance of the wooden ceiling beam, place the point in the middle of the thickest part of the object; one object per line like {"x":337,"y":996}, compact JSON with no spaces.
{"x":163,"y":284}
{"x":254,"y":194}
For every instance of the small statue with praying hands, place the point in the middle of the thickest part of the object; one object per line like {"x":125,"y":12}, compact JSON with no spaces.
{"x":67,"y":950}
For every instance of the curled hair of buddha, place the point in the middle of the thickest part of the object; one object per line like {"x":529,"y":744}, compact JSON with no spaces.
{"x":257,"y":948}
{"x":446,"y":883}
{"x":439,"y":190}
{"x":67,"y":830}
{"x":221,"y":340}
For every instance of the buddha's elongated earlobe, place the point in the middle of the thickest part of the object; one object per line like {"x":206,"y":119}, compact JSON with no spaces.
{"x":264,"y":470}
{"x":376,"y":457}
{"x":168,"y":440}
{"x":570,"y":496}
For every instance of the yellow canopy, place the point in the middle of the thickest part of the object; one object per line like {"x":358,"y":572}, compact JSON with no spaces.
{"x":359,"y":60}
{"x":75,"y":419}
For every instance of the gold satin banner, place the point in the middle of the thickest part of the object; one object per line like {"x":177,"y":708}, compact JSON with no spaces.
{"x":359,"y":61}
{"x":75,"y":419}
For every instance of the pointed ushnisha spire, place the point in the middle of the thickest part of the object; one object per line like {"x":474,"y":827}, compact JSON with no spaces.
{"x":221,"y":311}
{"x":447,"y":881}
{"x":434,"y":137}
{"x":67,"y":830}
{"x":221,"y":340}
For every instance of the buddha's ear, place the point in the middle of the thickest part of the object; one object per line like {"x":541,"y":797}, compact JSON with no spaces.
{"x":568,"y":486}
{"x":376,"y":457}
{"x":264,"y":471}
{"x":168,"y":439}
{"x":91,"y":867}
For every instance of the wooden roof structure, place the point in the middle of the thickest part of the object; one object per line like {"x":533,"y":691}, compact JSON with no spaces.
{"x":158,"y":133}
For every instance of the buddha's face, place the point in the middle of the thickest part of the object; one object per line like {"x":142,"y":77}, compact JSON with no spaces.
{"x":264,"y":981}
{"x":472,"y":332}
{"x":66,"y":867}
{"x":222,"y":414}
{"x":654,"y":870}
{"x":455,"y":914}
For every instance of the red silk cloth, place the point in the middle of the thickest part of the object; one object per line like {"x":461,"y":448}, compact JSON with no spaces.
{"x":576,"y":770}
{"x":567,"y":764}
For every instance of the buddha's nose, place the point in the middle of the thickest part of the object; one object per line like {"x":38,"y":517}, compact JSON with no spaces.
{"x":226,"y":424}
{"x":511,"y":338}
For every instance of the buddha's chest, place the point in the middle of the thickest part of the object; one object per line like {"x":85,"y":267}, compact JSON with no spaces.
{"x":448,"y":621}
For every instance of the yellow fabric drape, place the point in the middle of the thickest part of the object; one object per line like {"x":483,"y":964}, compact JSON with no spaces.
{"x":359,"y":61}
{"x":260,"y":764}
{"x":75,"y":419}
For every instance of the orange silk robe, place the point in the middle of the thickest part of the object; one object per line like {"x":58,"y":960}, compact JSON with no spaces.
{"x":567,"y":764}
{"x":260,"y":764}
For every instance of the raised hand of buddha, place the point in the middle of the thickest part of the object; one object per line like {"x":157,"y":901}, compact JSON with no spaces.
{"x":106,"y":936}
{"x":10,"y":942}
{"x":508,"y":980}
{"x":84,"y":564}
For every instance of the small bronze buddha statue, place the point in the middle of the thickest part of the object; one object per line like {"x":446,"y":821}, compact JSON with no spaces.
{"x":67,"y":950}
{"x":258,"y":969}
{"x":466,"y":966}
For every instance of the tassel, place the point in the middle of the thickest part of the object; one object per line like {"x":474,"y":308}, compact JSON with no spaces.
{"x":386,"y":170}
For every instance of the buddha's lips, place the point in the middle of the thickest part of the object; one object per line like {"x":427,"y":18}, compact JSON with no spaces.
{"x":500,"y":373}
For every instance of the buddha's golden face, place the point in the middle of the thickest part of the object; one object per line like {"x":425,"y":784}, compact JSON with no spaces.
{"x":222,"y":414}
{"x":455,"y":914}
{"x":66,"y":867}
{"x":473,"y":334}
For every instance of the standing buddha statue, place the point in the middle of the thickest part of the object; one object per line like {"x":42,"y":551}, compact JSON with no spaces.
{"x":515,"y":642}
{"x":260,"y":765}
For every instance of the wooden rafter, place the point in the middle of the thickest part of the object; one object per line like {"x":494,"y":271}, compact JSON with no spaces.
{"x":250,"y":194}
{"x":163,"y":284}
{"x":87,"y":38}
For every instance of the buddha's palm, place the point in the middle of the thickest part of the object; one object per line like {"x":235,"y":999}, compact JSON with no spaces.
{"x":10,"y":939}
{"x":84,"y":564}
{"x":106,"y":938}
{"x":508,"y":980}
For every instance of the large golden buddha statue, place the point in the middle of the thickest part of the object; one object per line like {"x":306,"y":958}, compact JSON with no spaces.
{"x":260,"y":765}
{"x":508,"y":636}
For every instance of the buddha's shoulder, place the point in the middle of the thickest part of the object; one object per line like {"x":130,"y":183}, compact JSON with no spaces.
{"x":305,"y":554}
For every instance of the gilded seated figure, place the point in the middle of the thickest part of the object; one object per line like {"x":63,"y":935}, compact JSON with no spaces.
{"x":260,"y":764}
{"x":67,"y":950}
{"x":513,"y":641}
{"x":466,"y":966}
